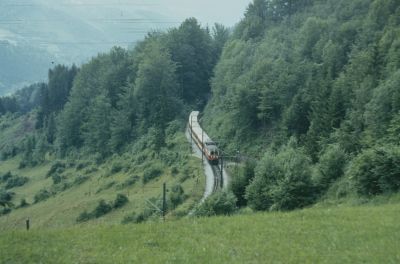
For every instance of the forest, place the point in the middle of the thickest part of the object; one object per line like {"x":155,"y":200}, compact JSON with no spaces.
{"x":306,"y":91}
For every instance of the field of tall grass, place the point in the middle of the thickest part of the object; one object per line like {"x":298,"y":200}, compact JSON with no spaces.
{"x":344,"y":234}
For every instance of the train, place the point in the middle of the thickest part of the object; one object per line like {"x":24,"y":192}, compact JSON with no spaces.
{"x":202,"y":140}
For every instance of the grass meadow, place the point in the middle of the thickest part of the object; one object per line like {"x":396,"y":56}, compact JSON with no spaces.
{"x":344,"y":234}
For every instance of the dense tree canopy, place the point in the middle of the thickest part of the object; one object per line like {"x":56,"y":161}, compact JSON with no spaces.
{"x":307,"y":89}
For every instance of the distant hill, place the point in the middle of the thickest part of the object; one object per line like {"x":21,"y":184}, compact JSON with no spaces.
{"x":35,"y":35}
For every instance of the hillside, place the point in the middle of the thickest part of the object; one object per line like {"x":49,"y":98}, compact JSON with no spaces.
{"x":307,"y":91}
{"x":301,"y":97}
{"x":302,"y":100}
{"x":57,"y":193}
{"x":326,"y":235}
{"x":96,"y":143}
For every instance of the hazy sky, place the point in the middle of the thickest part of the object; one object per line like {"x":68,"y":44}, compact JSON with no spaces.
{"x":227,"y":12}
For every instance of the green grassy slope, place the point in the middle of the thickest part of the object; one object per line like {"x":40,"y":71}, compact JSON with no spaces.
{"x":104,"y":182}
{"x":365,"y":234}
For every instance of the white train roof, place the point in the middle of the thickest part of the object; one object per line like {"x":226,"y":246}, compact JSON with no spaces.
{"x":193,"y":120}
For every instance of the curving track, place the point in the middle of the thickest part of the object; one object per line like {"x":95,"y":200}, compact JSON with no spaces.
{"x":214,"y":181}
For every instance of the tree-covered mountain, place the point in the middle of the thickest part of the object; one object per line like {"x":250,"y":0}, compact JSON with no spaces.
{"x":305,"y":91}
{"x":122,"y":112}
{"x":310,"y":89}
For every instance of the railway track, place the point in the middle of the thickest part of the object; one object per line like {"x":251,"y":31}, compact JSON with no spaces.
{"x":217,"y":178}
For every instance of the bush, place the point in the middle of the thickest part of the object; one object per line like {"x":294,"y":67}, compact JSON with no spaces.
{"x":56,"y":178}
{"x":23,"y":203}
{"x":330,"y":167}
{"x":240,"y":180}
{"x":129,"y":182}
{"x":176,"y":196}
{"x":58,"y":167}
{"x":220,"y":203}
{"x":152,"y":173}
{"x":22,"y":164}
{"x":174,"y":171}
{"x":138,"y":218}
{"x":5,"y":210}
{"x":6,"y":176}
{"x":116,"y":167}
{"x":82,"y":165}
{"x":101,"y":209}
{"x":376,"y":171}
{"x":282,"y":181}
{"x":84,"y":216}
{"x":42,"y":195}
{"x":131,"y":218}
{"x":80,"y":179}
{"x":16,"y":181}
{"x":90,"y":169}
{"x":120,"y":201}
{"x":106,"y":186}
{"x":60,"y":187}
{"x":6,"y":197}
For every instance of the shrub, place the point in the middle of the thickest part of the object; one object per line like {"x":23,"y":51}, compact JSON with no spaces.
{"x":80,"y":179}
{"x":183,"y":177}
{"x":81,"y":165}
{"x":330,"y":167}
{"x":138,"y":218}
{"x":240,"y":180}
{"x":102,"y":208}
{"x":6,"y":197}
{"x":176,"y":195}
{"x":376,"y":171}
{"x":56,"y":178}
{"x":174,"y":127}
{"x":131,"y":218}
{"x":282,"y":181}
{"x":42,"y":195}
{"x":116,"y":167}
{"x":120,"y":201}
{"x":5,"y":210}
{"x":90,"y":169}
{"x":106,"y":186}
{"x":16,"y":181}
{"x":6,"y":176}
{"x":22,"y":164}
{"x":23,"y":203}
{"x":174,"y":171}
{"x":168,"y":157}
{"x":152,"y":173}
{"x":60,"y":187}
{"x":84,"y":216}
{"x":220,"y":203}
{"x":57,"y":166}
{"x":129,"y":182}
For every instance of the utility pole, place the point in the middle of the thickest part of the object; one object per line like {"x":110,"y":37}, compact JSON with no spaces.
{"x":237,"y":161}
{"x":164,"y":204}
{"x":191,"y":133}
{"x":202,"y":145}
{"x":222,"y":171}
